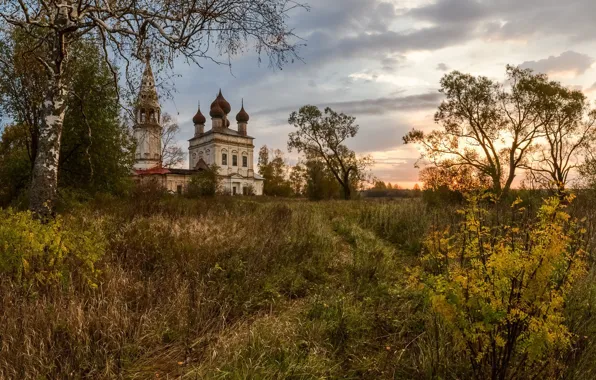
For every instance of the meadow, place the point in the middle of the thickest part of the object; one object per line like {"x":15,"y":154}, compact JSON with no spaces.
{"x":246,"y":288}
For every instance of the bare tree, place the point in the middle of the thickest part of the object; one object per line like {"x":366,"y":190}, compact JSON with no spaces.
{"x":171,"y":154}
{"x":569,"y":129}
{"x":125,"y":29}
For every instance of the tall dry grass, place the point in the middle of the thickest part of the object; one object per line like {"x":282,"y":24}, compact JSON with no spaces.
{"x":245,"y":289}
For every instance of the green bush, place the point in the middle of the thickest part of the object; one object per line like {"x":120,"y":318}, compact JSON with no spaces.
{"x":34,"y":253}
{"x":204,"y":184}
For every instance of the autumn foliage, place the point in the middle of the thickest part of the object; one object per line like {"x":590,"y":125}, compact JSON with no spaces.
{"x":501,"y":286}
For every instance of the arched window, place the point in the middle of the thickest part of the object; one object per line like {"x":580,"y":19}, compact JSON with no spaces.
{"x":224,"y":159}
{"x":142,"y":115}
{"x":244,"y":159}
{"x":151,"y":115}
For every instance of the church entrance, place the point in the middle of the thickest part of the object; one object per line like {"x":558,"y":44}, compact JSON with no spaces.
{"x":235,"y":188}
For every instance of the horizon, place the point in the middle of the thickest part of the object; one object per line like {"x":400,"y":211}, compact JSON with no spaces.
{"x":381,"y":61}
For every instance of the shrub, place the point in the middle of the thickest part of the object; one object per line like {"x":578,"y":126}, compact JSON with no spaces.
{"x":502,"y":289}
{"x":205,"y":183}
{"x":34,"y":253}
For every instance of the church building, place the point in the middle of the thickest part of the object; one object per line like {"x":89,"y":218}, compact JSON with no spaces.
{"x":232,"y":150}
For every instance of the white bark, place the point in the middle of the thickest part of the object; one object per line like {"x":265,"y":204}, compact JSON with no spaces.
{"x":44,"y":181}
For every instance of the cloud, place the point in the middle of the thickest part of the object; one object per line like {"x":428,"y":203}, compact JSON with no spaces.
{"x":431,"y":38}
{"x":442,"y":67}
{"x":377,"y":106}
{"x":390,"y":44}
{"x":514,"y":19}
{"x":381,"y":106}
{"x":399,"y":80}
{"x":569,"y":63}
{"x":396,"y":170}
{"x":343,"y":16}
{"x":590,"y":90}
{"x":451,"y":11}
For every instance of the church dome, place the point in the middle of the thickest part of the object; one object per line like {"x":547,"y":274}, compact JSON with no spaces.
{"x":199,"y":118}
{"x":242,"y":116}
{"x":216,"y":111}
{"x":223,"y":103}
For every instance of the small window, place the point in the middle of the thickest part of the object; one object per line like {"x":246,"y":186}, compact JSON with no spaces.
{"x":224,"y":159}
{"x":179,"y":189}
{"x":244,"y":161}
{"x":234,"y":160}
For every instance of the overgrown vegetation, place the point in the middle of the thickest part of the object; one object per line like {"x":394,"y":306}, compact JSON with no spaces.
{"x":246,"y":288}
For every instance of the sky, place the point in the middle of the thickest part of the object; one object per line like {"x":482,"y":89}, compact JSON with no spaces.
{"x":381,"y":61}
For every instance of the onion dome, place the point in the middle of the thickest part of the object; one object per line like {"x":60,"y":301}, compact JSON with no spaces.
{"x":242,"y":116}
{"x":223,"y":103}
{"x":216,"y":111}
{"x":199,"y":118}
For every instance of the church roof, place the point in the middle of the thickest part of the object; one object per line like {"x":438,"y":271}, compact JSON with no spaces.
{"x":201,"y":165}
{"x":155,"y":170}
{"x":159,"y":171}
{"x":242,"y":116}
{"x":216,"y":111}
{"x":225,"y":131}
{"x":199,"y":118}
{"x":223,"y":103}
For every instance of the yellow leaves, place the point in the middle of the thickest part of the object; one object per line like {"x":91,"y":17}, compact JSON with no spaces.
{"x":487,"y":278}
{"x":461,"y":280}
{"x":517,"y":202}
{"x":40,"y":254}
{"x":25,"y":265}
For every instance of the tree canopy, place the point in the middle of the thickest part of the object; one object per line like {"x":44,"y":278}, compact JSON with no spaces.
{"x":497,"y":128}
{"x":274,"y":170}
{"x":96,"y":150}
{"x":125,"y":29}
{"x":322,"y":136}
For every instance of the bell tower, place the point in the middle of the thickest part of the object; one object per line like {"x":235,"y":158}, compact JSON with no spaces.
{"x":147,"y":128}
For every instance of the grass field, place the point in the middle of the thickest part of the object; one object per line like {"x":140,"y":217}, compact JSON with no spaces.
{"x":248,"y":289}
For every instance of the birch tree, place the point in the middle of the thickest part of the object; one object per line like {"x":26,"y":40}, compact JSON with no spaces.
{"x":194,"y":30}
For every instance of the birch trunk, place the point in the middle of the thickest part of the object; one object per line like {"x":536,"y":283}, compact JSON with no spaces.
{"x":44,"y":181}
